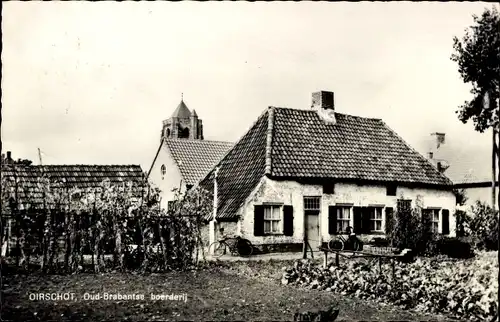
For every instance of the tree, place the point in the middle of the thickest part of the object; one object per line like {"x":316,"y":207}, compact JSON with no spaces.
{"x":478,"y":59}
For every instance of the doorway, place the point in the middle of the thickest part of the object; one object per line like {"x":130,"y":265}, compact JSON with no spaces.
{"x":312,"y":206}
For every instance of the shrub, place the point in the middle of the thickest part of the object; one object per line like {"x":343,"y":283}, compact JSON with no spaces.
{"x":483,"y":226}
{"x":461,"y":221}
{"x":412,"y":229}
{"x":71,"y":222}
{"x":455,"y":248}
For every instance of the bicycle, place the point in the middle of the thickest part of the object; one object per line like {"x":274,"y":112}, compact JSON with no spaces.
{"x":340,"y":243}
{"x":240,"y":246}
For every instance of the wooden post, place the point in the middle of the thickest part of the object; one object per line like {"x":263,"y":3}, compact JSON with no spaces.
{"x":325,"y":260}
{"x":304,"y":248}
{"x":337,"y":259}
{"x":380,"y":265}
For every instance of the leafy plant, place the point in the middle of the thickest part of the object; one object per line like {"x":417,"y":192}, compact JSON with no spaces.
{"x":123,"y":221}
{"x":465,"y":289}
{"x":412,"y":229}
{"x":482,"y":225}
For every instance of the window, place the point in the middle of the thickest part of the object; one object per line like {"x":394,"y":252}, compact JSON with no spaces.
{"x":391,"y":190}
{"x":375,"y":219}
{"x":343,"y":218}
{"x":404,"y":204}
{"x":432,"y":215}
{"x":163,"y":170}
{"x":272,"y":220}
{"x":329,"y":188}
{"x":434,"y":220}
{"x":184,"y":133}
{"x":312,"y":203}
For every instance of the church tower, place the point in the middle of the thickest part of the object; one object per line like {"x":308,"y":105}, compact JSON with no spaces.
{"x":183,"y":124}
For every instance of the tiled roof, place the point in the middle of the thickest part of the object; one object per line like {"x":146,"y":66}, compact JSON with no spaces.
{"x":196,"y":157}
{"x":71,"y":176}
{"x":240,"y":170}
{"x":355,"y":148}
{"x":303,"y":146}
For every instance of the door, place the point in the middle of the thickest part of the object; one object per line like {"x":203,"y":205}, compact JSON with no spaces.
{"x":312,"y":229}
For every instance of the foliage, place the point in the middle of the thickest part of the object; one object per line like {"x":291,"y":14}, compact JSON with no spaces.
{"x":119,"y":226}
{"x":454,"y":247}
{"x":466,"y":289}
{"x":461,"y":218}
{"x":460,"y":196}
{"x":482,"y":225}
{"x":478,"y":59}
{"x":412,"y":229}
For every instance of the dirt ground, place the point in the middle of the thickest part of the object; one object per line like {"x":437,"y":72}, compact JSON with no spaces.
{"x":233,"y":291}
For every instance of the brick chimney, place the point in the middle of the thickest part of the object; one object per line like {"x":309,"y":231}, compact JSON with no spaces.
{"x":323,"y":99}
{"x":7,"y":159}
{"x":323,"y":103}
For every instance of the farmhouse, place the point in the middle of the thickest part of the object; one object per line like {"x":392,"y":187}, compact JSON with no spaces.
{"x":470,"y":170}
{"x":318,"y":171}
{"x":183,"y":156}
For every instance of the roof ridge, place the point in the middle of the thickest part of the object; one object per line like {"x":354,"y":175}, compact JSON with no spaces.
{"x":337,"y":113}
{"x":415,"y":151}
{"x":74,"y":165}
{"x":197,"y":140}
{"x":269,"y":140}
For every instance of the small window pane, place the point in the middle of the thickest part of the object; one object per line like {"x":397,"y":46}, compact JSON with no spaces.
{"x":267,"y":213}
{"x":276,"y":213}
{"x":267,"y":226}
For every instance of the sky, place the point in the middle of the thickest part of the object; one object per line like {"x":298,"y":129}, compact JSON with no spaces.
{"x":91,"y":82}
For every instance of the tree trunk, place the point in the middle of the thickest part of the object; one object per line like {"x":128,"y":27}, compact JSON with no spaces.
{"x":493,"y":171}
{"x":498,"y":169}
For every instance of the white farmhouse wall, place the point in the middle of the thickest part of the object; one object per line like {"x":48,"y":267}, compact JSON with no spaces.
{"x":482,"y":194}
{"x":292,"y":193}
{"x":171,"y":180}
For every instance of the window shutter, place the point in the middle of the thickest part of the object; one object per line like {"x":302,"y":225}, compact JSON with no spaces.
{"x":288,"y":220}
{"x":332,"y":220}
{"x":358,"y":221}
{"x":366,"y":220}
{"x":446,"y":222}
{"x":258,"y":220}
{"x":389,"y":219}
